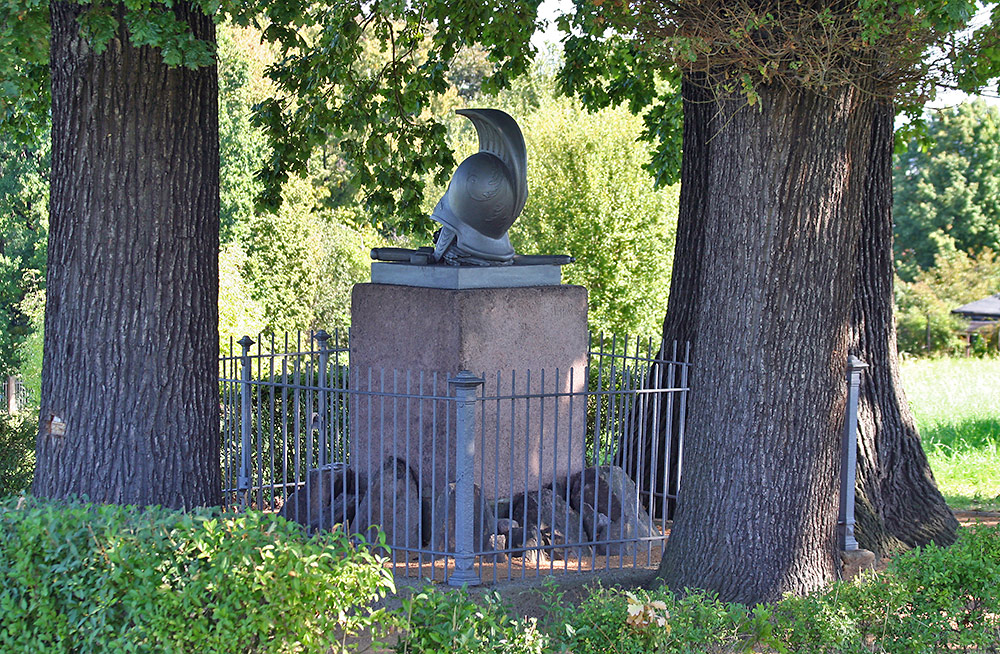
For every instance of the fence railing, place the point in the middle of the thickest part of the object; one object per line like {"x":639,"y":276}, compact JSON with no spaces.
{"x":14,"y":395}
{"x":468,"y":474}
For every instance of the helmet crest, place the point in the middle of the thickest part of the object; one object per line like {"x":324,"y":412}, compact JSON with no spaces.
{"x":485,"y":195}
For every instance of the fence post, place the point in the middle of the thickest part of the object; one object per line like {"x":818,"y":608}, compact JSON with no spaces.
{"x":849,"y":457}
{"x":12,"y":395}
{"x":466,"y":391}
{"x":246,"y":419}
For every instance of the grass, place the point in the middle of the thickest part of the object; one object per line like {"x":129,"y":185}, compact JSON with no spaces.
{"x":957,"y":406}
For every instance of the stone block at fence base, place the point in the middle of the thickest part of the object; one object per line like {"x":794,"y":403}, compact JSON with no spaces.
{"x":613,"y":494}
{"x":854,"y":562}
{"x":392,"y":502}
{"x":327,"y":499}
{"x":550,"y":521}
{"x":407,"y":341}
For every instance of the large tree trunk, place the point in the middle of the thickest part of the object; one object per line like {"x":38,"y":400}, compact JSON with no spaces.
{"x":129,"y":407}
{"x":779,"y":219}
{"x":898,"y":504}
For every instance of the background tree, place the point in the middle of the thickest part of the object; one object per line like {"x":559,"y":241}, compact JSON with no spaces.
{"x":925,"y":323}
{"x":591,"y":198}
{"x":23,"y":232}
{"x":946,"y":188}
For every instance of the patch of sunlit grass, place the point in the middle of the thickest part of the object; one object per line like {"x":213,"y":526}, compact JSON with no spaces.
{"x":956,"y":403}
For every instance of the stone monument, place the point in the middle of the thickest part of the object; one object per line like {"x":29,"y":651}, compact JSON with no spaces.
{"x":470,"y":303}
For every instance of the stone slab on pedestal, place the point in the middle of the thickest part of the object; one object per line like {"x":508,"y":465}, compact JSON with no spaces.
{"x":459,"y":277}
{"x":434,"y":333}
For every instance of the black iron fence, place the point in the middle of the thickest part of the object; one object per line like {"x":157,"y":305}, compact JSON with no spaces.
{"x":469,"y":475}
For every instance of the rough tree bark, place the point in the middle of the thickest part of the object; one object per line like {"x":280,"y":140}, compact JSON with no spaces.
{"x":898,"y":503}
{"x":129,"y":409}
{"x":780,"y":191}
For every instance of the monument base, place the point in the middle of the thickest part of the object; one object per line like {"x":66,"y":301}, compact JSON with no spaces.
{"x":526,"y":334}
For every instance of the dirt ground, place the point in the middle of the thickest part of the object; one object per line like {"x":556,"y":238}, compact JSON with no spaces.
{"x":986,"y":518}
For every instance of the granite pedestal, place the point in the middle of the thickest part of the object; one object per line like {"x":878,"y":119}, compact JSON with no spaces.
{"x":436,"y":332}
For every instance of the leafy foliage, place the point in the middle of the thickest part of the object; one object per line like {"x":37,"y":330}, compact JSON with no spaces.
{"x":292,"y":268}
{"x":17,"y":452}
{"x":435,"y":622}
{"x":929,"y":600}
{"x":876,"y":45}
{"x":605,"y":69}
{"x":924,"y":322}
{"x":950,"y":596}
{"x":375,"y":107}
{"x":24,"y":71}
{"x":945,"y":194}
{"x":242,"y":148}
{"x":590,"y":198}
{"x":85,"y":578}
{"x":23,"y":233}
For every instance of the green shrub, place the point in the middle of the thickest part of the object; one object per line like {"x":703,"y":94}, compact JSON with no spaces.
{"x":77,"y":577}
{"x":929,"y":600}
{"x":17,"y":452}
{"x":818,"y":622}
{"x":613,"y":621}
{"x":436,"y":622}
{"x":952,"y":594}
{"x":932,"y":599}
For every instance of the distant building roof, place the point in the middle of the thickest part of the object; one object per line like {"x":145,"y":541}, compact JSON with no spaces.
{"x":988,"y":307}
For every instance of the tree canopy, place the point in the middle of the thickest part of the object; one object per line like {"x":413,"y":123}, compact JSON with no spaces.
{"x":946,"y":188}
{"x":325,"y":80}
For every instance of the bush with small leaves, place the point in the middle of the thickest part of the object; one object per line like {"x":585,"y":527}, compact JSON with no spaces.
{"x":78,"y":577}
{"x":613,"y":621}
{"x":436,"y":622}
{"x":932,"y":599}
{"x":952,"y":594}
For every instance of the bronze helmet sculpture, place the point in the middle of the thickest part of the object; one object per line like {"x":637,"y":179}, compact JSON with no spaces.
{"x":485,"y":195}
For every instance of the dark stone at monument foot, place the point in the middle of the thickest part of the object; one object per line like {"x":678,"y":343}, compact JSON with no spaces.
{"x":327,"y":499}
{"x":609,"y":491}
{"x":555,"y":520}
{"x":592,"y":487}
{"x":534,"y":543}
{"x":392,"y":503}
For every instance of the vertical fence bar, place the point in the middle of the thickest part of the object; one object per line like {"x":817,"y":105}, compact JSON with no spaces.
{"x":466,"y":388}
{"x":243,"y":482}
{"x":258,"y":479}
{"x":849,"y":457}
{"x":322,"y":461}
{"x":270,"y":420}
{"x":321,"y":337}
